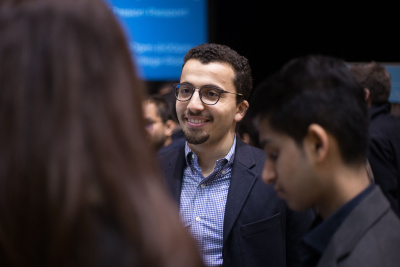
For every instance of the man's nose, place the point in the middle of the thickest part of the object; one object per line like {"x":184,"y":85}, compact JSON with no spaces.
{"x":195,"y":103}
{"x":268,"y":174}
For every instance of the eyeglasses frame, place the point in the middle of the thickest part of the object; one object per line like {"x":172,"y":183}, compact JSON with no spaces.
{"x":220,"y":91}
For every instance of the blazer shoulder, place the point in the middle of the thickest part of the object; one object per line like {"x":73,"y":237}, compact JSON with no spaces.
{"x":248,"y":154}
{"x":258,"y":152}
{"x":171,"y":157}
{"x":363,"y":237}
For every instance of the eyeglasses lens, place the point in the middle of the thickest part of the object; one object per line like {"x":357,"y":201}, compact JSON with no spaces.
{"x":208,"y":95}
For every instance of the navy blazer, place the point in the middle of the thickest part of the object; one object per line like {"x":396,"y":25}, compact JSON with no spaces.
{"x":259,"y":229}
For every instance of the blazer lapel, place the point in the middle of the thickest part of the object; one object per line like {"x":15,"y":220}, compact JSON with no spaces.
{"x":358,"y":222}
{"x":242,"y":182}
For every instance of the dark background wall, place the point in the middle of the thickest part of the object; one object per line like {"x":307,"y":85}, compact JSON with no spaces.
{"x":270,"y":34}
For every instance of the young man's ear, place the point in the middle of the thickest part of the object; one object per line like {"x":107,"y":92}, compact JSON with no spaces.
{"x":317,"y":142}
{"x":241,"y":110}
{"x":169,"y":127}
{"x":367,"y":96}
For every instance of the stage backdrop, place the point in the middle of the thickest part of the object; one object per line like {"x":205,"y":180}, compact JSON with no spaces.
{"x":160,"y":32}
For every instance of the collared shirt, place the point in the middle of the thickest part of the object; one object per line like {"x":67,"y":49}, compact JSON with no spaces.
{"x":318,"y":239}
{"x":202,"y":203}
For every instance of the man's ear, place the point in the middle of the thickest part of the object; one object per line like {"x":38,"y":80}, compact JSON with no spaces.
{"x":169,"y":127}
{"x":367,"y":96}
{"x":317,"y":142}
{"x":241,"y":110}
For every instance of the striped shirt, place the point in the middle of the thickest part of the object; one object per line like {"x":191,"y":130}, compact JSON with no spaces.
{"x":202,"y":203}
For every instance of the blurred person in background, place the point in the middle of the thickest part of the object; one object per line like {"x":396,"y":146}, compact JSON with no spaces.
{"x":384,"y":129}
{"x":158,"y":120}
{"x":247,"y":131}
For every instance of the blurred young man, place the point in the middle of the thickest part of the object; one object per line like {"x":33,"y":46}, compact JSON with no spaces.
{"x":384,"y":129}
{"x":216,"y":178}
{"x":160,"y":124}
{"x":313,"y":126}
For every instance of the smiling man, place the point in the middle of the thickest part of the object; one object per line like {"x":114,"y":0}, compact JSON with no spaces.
{"x":313,"y":125}
{"x":216,"y":178}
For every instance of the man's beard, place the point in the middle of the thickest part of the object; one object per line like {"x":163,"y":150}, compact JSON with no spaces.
{"x":195,"y":138}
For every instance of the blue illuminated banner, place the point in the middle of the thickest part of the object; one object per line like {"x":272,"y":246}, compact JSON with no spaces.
{"x":160,"y":32}
{"x":394,"y":70}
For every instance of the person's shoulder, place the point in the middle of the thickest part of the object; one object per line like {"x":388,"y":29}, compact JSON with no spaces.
{"x":249,"y":155}
{"x":366,"y":232}
{"x":171,"y":154}
{"x":176,"y":144}
{"x":386,"y":118}
{"x":385,"y":126}
{"x":243,"y":147}
{"x":257,"y":150}
{"x":376,"y":211}
{"x":380,"y":232}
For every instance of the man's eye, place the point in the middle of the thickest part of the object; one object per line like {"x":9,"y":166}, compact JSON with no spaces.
{"x":272,"y":155}
{"x":211,"y":93}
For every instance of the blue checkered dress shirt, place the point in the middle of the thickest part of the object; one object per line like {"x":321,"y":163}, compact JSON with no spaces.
{"x":202,"y":203}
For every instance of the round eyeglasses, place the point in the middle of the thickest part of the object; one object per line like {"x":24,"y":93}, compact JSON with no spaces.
{"x":209,"y":94}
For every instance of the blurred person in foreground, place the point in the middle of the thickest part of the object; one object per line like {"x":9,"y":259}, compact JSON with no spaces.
{"x":216,"y":177}
{"x":313,"y":125}
{"x":384,"y":129}
{"x":76,"y":188}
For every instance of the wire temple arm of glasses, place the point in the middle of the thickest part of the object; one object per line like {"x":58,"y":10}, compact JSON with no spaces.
{"x":239,"y":94}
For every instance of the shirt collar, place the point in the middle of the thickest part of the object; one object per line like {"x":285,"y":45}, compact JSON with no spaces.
{"x":190,"y":155}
